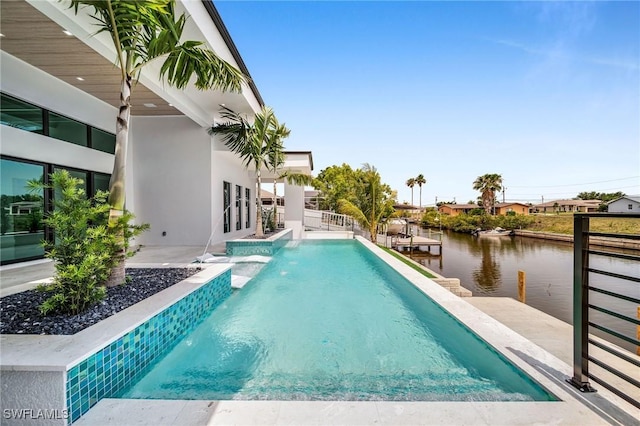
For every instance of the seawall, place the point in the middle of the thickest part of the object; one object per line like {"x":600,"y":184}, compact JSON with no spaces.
{"x":597,"y":241}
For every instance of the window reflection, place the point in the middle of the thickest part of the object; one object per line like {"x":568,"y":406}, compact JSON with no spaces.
{"x":21,"y":226}
{"x":103,"y":141}
{"x":20,"y":115}
{"x":65,"y":129}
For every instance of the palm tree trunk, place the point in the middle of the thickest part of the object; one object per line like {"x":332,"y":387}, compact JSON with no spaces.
{"x":259,"y":232}
{"x":116,"y":183}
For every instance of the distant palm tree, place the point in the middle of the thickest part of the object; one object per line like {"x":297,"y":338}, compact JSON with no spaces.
{"x":257,"y":144}
{"x":420,"y":180}
{"x":488,"y":185}
{"x":411,"y":182}
{"x":142,"y":32}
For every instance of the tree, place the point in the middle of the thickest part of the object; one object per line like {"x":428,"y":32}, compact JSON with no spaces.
{"x":373,"y":203}
{"x":85,"y":247}
{"x":146,"y":31}
{"x":335,"y":183}
{"x":488,"y":185}
{"x":420,"y":180}
{"x":258,"y":144}
{"x":411,"y":182}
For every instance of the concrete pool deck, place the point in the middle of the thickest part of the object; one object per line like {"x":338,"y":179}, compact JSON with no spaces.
{"x":537,"y":339}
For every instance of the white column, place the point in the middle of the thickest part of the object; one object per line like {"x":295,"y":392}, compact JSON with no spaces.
{"x":294,"y":209}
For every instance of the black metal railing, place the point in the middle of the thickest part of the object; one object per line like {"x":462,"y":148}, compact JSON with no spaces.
{"x":583,"y":305}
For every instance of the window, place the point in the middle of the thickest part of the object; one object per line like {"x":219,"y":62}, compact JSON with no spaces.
{"x":21,"y":211}
{"x":103,"y":141}
{"x":100,"y":182}
{"x":238,"y":207}
{"x":65,"y":129}
{"x":630,"y":206}
{"x":21,"y":115}
{"x":247,"y":197}
{"x":226,"y":202}
{"x":25,"y":116}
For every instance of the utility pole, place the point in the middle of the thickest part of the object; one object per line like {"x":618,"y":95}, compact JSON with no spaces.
{"x":504,"y":191}
{"x":542,"y":199}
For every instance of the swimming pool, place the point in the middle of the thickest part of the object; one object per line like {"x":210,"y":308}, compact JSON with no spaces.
{"x":327,"y":320}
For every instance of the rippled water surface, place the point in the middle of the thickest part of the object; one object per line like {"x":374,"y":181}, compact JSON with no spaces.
{"x":328,"y":321}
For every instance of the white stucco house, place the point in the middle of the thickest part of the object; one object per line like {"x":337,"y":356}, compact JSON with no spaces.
{"x":60,"y":93}
{"x":626,"y":204}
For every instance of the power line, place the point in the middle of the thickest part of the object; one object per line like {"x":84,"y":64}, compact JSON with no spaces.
{"x":576,"y":184}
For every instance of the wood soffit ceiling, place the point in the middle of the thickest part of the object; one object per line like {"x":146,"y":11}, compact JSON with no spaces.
{"x":32,"y":37}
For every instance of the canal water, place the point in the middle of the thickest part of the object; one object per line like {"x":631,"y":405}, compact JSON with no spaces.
{"x":488,"y":266}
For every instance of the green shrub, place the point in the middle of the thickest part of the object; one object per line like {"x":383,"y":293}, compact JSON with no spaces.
{"x":85,"y":247}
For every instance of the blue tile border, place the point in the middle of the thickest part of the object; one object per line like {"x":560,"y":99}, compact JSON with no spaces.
{"x":112,"y":369}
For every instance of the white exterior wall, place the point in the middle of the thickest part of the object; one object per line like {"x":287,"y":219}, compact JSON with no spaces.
{"x":25,"y":82}
{"x":227,"y":166}
{"x":622,"y":206}
{"x":177,"y":182}
{"x":171,"y":180}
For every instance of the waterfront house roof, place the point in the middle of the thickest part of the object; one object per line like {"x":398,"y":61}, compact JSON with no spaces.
{"x":461,"y":206}
{"x":578,"y":203}
{"x":635,"y":198}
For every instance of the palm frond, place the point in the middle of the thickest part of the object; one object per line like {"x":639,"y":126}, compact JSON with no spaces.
{"x":350,"y":209}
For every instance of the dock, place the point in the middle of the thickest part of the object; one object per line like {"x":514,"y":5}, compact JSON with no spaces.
{"x":416,"y":242}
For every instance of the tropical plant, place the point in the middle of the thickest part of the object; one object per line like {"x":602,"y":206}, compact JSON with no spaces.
{"x":488,"y":185}
{"x":85,"y":246}
{"x":373,"y":203}
{"x":334,"y":184}
{"x":142,"y":32}
{"x":256,"y":143}
{"x":420,"y":180}
{"x":411,"y":182}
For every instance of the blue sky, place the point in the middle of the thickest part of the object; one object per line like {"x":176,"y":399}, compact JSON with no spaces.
{"x":547,"y":94}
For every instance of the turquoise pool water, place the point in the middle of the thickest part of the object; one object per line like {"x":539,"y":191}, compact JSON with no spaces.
{"x":327,"y":320}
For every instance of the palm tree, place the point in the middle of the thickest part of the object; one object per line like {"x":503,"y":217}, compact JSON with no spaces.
{"x":373,"y":206}
{"x":411,"y":182}
{"x":258,"y":144}
{"x":420,"y":180}
{"x":488,"y":185}
{"x":146,"y":31}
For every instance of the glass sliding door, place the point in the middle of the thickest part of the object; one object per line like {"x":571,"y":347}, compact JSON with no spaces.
{"x":21,"y":211}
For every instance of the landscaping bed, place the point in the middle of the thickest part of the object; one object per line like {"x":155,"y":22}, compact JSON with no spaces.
{"x":20,"y":314}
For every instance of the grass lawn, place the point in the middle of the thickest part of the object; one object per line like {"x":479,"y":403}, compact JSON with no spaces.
{"x":406,"y":261}
{"x":563,"y":224}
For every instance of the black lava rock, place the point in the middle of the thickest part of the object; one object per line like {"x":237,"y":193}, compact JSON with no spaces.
{"x":20,"y":314}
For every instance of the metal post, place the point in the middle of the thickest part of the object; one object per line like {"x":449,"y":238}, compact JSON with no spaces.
{"x":580,"y":378}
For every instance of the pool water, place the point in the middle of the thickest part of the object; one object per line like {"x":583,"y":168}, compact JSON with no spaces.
{"x":327,"y":320}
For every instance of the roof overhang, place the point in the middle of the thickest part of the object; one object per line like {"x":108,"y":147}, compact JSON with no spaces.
{"x":300,"y":162}
{"x":33,"y":32}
